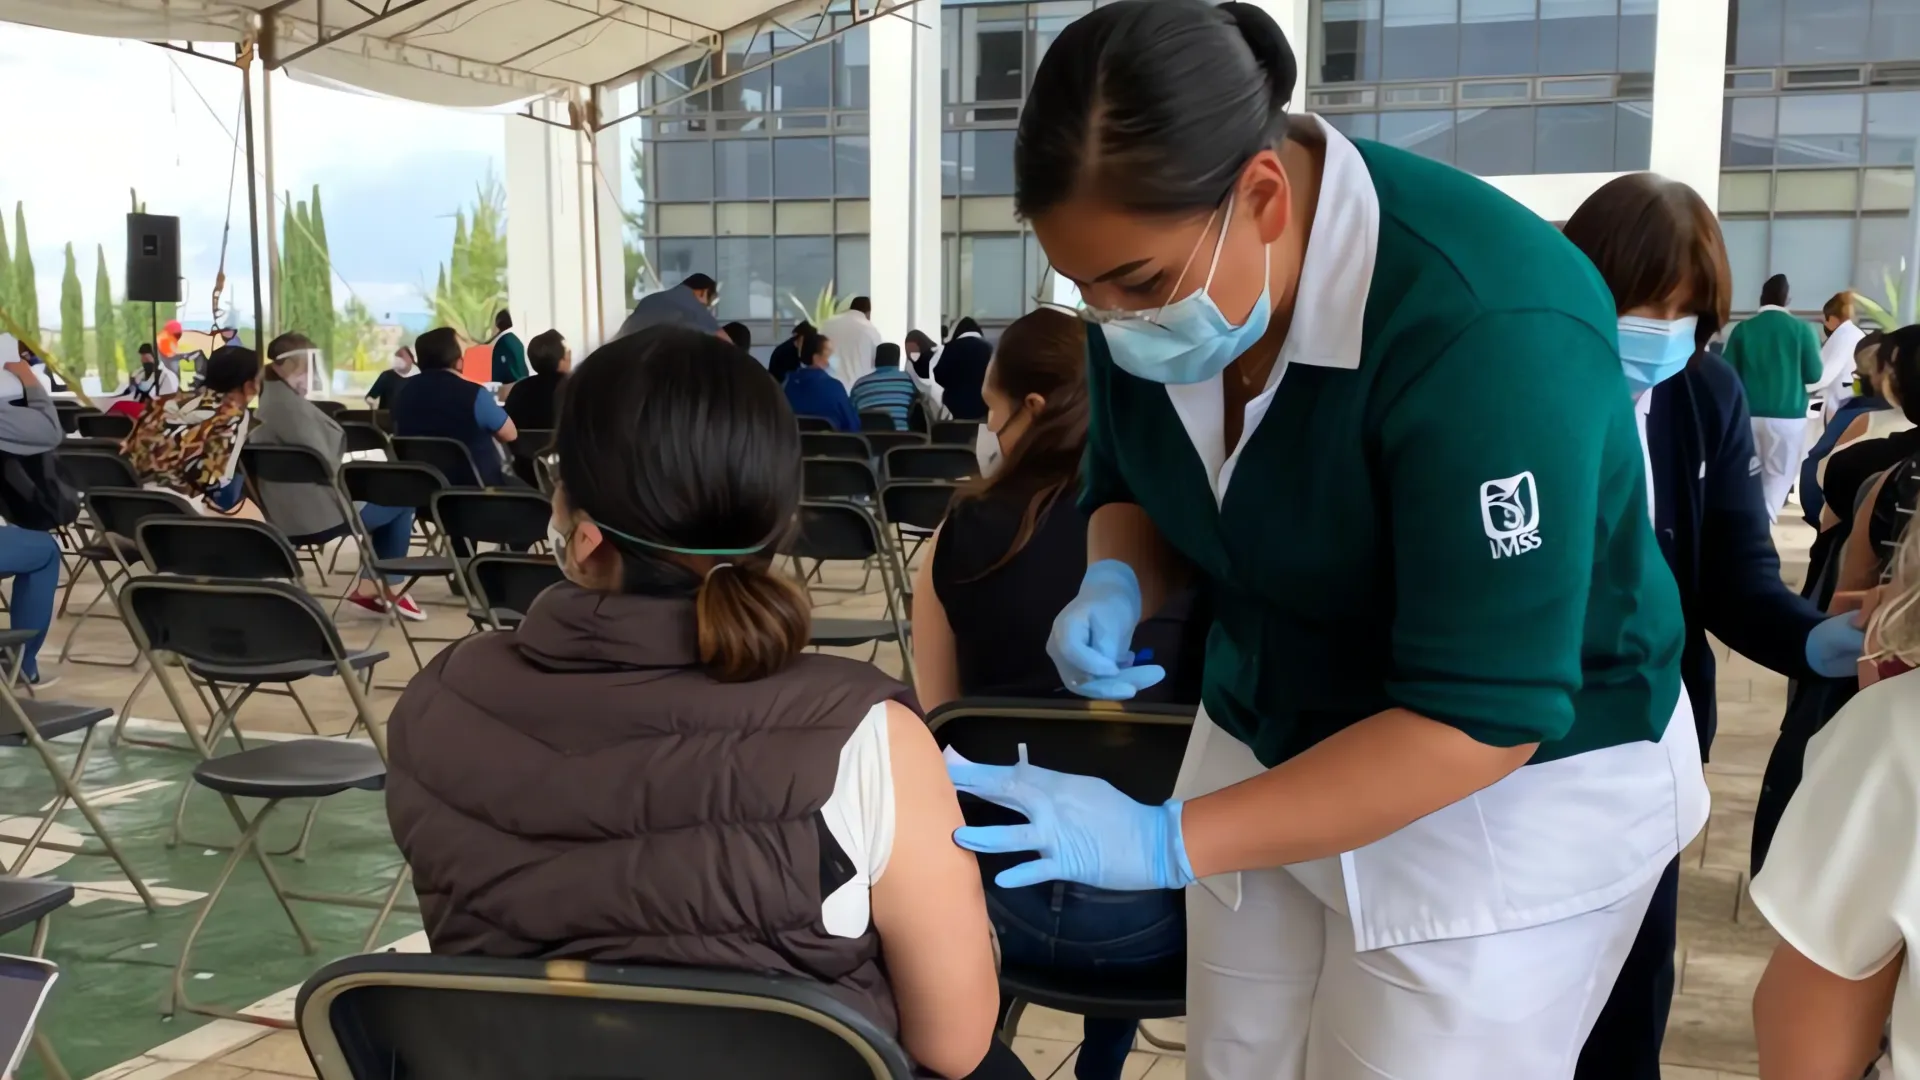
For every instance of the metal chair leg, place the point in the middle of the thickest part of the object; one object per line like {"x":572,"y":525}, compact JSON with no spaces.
{"x":386,"y":909}
{"x":249,"y":836}
{"x":1161,"y":1044}
{"x":68,"y":786}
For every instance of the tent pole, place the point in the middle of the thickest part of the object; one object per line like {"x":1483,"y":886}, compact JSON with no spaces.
{"x":273,"y":243}
{"x":253,"y":208}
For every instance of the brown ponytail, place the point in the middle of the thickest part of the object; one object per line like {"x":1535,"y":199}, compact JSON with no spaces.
{"x":752,"y":621}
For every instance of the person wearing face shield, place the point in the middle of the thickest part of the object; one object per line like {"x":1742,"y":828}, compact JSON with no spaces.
{"x":1444,"y":753}
{"x":1659,"y":249}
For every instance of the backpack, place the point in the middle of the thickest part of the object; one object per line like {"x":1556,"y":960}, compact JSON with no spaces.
{"x":36,"y":493}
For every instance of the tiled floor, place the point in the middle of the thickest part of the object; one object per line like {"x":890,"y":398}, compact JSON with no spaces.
{"x":1723,"y":942}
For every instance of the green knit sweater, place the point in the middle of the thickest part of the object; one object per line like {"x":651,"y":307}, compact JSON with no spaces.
{"x":1777,"y":357}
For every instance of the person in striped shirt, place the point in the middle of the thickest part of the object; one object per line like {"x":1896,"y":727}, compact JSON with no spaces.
{"x":887,"y":387}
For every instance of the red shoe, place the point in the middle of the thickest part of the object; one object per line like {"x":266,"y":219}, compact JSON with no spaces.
{"x":410,"y":610}
{"x":372,"y":604}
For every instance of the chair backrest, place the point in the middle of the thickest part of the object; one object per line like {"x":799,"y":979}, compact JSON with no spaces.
{"x":430,"y":1017}
{"x":509,"y":581}
{"x":830,"y":531}
{"x":876,"y":420}
{"x":1137,"y":748}
{"x":364,"y":437}
{"x":275,"y":464}
{"x":834,"y":444}
{"x":222,"y":620}
{"x":955,"y":432}
{"x":814,"y":423}
{"x":919,"y":503}
{"x":354,"y":416}
{"x":532,"y":442}
{"x":448,"y":455}
{"x":837,"y":478}
{"x":69,"y":413}
{"x":407,"y":484}
{"x":103,"y":425}
{"x":216,"y":547}
{"x":94,"y":468}
{"x":121,"y":510}
{"x":83,"y":442}
{"x":515,"y":518}
{"x":931,"y":463}
{"x":883,"y":441}
{"x":330,"y":407}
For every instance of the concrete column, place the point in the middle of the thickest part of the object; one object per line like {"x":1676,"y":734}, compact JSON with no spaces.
{"x":1689,"y":87}
{"x":903,"y":125}
{"x":550,"y":276}
{"x":607,"y":174}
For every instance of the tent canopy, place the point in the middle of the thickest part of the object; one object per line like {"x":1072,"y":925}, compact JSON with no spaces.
{"x":459,"y":53}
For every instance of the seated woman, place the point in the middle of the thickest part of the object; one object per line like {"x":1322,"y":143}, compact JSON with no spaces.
{"x":1842,"y":880}
{"x":189,"y":443}
{"x":29,"y":428}
{"x":306,"y":515}
{"x":651,"y":770}
{"x":812,"y":391}
{"x":1009,"y":556}
{"x":533,"y":401}
{"x":1874,"y":481}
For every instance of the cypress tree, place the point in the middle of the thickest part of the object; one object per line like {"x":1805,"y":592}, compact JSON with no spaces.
{"x":26,"y":294}
{"x":323,"y":314}
{"x":106,"y":339}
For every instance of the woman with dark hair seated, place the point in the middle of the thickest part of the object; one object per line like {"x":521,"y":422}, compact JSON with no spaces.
{"x":651,"y":770}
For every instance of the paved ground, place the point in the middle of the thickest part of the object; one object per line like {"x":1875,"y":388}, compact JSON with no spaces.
{"x":104,"y":1015}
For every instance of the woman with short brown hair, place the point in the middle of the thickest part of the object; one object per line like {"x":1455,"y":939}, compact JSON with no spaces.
{"x":1659,"y":250}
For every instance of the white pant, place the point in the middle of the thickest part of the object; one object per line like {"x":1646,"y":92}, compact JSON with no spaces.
{"x":1779,"y":443}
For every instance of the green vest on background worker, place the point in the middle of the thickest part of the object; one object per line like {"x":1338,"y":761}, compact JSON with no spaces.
{"x":509,"y":352}
{"x":1777,"y":357}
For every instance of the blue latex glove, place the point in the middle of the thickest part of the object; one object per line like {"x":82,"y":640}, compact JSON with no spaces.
{"x":1834,"y":646}
{"x":1091,"y":634}
{"x":1083,"y":827}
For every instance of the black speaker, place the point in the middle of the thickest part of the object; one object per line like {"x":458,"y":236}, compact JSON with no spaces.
{"x":153,"y":258}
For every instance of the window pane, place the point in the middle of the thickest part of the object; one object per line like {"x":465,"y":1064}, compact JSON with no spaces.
{"x":745,"y":272}
{"x":1633,"y":135}
{"x":749,"y":92}
{"x":1421,"y":39}
{"x":741,"y":168}
{"x":850,"y":165}
{"x":1494,"y":142}
{"x":1574,"y":139}
{"x":1885,"y":243}
{"x":1051,"y":18}
{"x":1425,"y":132}
{"x":1748,"y":132}
{"x":1496,"y":37}
{"x":680,"y":258}
{"x":850,"y":69}
{"x":1350,"y":41}
{"x":1820,"y":129}
{"x":850,"y":265}
{"x":988,"y":158}
{"x":1355,"y":125}
{"x":1578,"y":36}
{"x":949,"y":55}
{"x":1893,"y":123}
{"x":990,"y":44}
{"x":949,"y":163}
{"x":990,"y":265}
{"x":1816,"y":253}
{"x":1747,"y":257}
{"x":1637,"y":18}
{"x":802,"y":269}
{"x":804,"y":80}
{"x":1754,"y":29}
{"x":682,"y":171}
{"x":1826,"y":31}
{"x":1896,"y":30}
{"x":802,"y":168}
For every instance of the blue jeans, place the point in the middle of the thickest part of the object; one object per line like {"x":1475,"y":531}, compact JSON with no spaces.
{"x":33,"y":559}
{"x":1076,"y":928}
{"x":389,"y":527}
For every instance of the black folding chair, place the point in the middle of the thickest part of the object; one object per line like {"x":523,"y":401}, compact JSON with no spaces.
{"x":379,"y":418}
{"x":430,"y":1017}
{"x":934,"y":462}
{"x":955,"y":432}
{"x":450,"y":456}
{"x":838,"y":478}
{"x":69,"y":412}
{"x":514,"y":520}
{"x":89,"y":464}
{"x":301,"y":466}
{"x":330,"y":407}
{"x":115,"y":426}
{"x":840,"y":531}
{"x":410,"y":485}
{"x":813,"y":423}
{"x":116,"y":514}
{"x":914,"y":509}
{"x":76,"y":442}
{"x":505,"y":584}
{"x":1138,"y":749}
{"x":834,"y":444}
{"x":883,"y":441}
{"x":31,"y":902}
{"x":224,"y":622}
{"x":876,"y":420}
{"x":364,"y":438}
{"x":527,"y":450}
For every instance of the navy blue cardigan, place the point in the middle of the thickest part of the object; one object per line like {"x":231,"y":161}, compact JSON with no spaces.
{"x":1709,"y":518}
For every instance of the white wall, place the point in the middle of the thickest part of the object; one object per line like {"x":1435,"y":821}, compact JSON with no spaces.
{"x":550,"y":273}
{"x":903,"y":129}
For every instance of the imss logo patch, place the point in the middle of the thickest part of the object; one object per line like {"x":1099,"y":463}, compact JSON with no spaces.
{"x":1510,"y":513}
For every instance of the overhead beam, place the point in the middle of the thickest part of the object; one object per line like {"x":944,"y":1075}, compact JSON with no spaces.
{"x":325,"y":37}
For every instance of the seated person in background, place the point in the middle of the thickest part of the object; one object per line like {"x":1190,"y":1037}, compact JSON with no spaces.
{"x":738,"y":333}
{"x":920,"y":351}
{"x":813,"y":391}
{"x":1009,"y":556}
{"x":305,"y":514}
{"x":961,"y":370}
{"x":190,"y":443}
{"x":152,"y":379}
{"x":29,"y":427}
{"x":386,"y":388}
{"x":1841,"y":882}
{"x":652,"y":770}
{"x":1875,"y":480}
{"x":438,"y":402}
{"x":786,"y":355}
{"x":1869,"y":397}
{"x":887,"y":387}
{"x":531,"y":403}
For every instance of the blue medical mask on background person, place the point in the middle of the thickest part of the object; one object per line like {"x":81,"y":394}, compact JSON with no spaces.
{"x":1654,"y":350}
{"x":1187,"y":340}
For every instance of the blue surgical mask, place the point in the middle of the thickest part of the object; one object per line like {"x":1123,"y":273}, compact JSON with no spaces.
{"x":1188,"y":340}
{"x":1654,"y":350}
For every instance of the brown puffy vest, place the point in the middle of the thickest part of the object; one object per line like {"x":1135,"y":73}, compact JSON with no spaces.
{"x":582,"y":789}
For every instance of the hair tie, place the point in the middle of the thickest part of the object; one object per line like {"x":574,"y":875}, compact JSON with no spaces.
{"x":717,"y":566}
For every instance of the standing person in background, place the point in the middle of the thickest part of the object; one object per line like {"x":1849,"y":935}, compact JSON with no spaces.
{"x":688,"y":304}
{"x":1659,"y":250}
{"x":385,"y":388}
{"x":439,"y":402}
{"x":1777,"y":358}
{"x":920,"y":351}
{"x":813,"y":391}
{"x":786,"y":355}
{"x":1836,"y":354}
{"x":738,"y":333}
{"x":855,"y":339}
{"x":509,"y":355}
{"x":887,"y":387}
{"x":1853,"y":420}
{"x":962,"y":370}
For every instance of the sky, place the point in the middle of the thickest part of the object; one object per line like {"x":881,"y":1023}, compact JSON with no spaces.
{"x":87,"y":118}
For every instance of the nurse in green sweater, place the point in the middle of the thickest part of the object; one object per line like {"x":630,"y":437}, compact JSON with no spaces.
{"x":1777,"y":357}
{"x":1443,"y":753}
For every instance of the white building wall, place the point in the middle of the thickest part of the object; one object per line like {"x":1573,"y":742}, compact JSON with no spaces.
{"x":550,"y":272}
{"x":903,"y":130}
